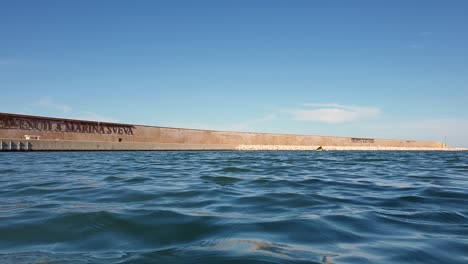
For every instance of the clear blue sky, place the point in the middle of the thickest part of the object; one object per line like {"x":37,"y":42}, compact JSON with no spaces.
{"x":391,"y":69}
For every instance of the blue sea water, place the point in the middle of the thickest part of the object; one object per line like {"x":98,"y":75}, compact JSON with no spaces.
{"x":234,"y":207}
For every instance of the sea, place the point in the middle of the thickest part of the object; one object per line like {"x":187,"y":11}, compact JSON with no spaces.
{"x":234,"y":207}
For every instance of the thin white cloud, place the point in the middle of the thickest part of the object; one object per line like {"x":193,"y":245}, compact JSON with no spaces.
{"x":8,"y":62}
{"x":416,"y":46}
{"x":324,"y":105}
{"x":420,"y":39}
{"x":333,"y":113}
{"x":91,"y":116}
{"x":453,"y":130}
{"x":48,"y":103}
{"x":247,"y":126}
{"x":425,"y":34}
{"x":192,"y":125}
{"x":59,"y":109}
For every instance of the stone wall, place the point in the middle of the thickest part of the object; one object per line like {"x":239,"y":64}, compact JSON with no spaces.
{"x":21,"y":127}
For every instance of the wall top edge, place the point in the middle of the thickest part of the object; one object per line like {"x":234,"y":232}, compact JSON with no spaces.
{"x":58,"y":119}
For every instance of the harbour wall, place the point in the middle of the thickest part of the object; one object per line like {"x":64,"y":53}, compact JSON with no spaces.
{"x":45,"y":133}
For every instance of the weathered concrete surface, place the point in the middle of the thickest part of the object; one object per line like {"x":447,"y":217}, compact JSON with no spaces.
{"x":89,"y":135}
{"x":67,"y":145}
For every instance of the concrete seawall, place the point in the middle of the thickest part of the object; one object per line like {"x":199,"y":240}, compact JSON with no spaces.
{"x":70,"y":145}
{"x":45,"y":133}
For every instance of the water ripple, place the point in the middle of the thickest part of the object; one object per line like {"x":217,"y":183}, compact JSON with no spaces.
{"x":234,"y":207}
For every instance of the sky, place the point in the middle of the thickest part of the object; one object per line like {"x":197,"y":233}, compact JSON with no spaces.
{"x":375,"y":69}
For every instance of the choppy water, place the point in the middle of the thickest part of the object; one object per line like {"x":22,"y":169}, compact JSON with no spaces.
{"x":234,"y":207}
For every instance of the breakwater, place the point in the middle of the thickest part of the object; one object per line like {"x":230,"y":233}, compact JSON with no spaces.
{"x":340,"y":148}
{"x":22,"y":132}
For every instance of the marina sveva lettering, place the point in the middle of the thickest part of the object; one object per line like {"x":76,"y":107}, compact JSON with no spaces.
{"x":25,"y":123}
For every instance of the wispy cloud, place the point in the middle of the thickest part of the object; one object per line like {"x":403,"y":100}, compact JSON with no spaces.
{"x":333,"y":113}
{"x":425,"y":34}
{"x":250,"y":124}
{"x":48,"y":103}
{"x":9,"y":61}
{"x":57,"y":109}
{"x":454,"y":130}
{"x":246,"y":126}
{"x":95,"y":117}
{"x":415,"y":45}
{"x":420,"y":39}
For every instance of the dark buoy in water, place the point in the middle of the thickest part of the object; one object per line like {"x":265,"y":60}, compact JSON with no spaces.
{"x":320,"y":149}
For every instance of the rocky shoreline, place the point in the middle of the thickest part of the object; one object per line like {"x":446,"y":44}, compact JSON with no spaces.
{"x":341,"y":148}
